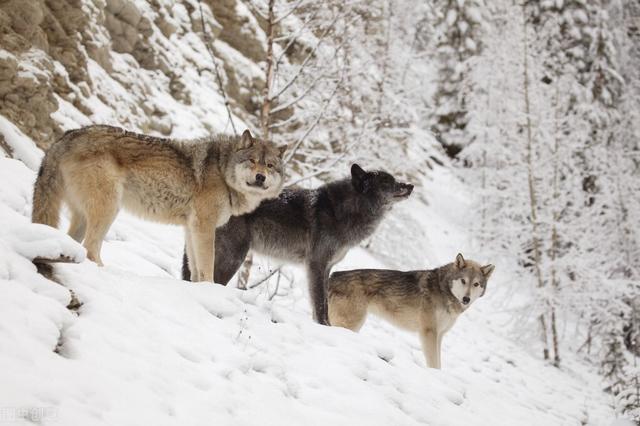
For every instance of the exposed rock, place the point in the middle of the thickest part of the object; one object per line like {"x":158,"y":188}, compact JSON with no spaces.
{"x":114,"y":57}
{"x":240,"y":30}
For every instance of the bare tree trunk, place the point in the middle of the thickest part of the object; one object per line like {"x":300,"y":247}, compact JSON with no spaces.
{"x":6,"y":147}
{"x":265,"y":112}
{"x":532,"y":193}
{"x":209,"y":43}
{"x":385,"y":64}
{"x":554,"y":226}
{"x":265,"y":116}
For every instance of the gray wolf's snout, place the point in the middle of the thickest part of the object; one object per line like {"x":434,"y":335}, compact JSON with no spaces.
{"x":260,"y":178}
{"x":466,"y":300}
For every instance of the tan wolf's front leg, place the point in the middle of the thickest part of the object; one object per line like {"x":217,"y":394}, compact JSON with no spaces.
{"x":202,"y":233}
{"x":429,"y":340}
{"x":439,"y":348}
{"x":203,"y":244}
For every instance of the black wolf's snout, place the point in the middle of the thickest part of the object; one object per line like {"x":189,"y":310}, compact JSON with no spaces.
{"x":466,"y":300}
{"x":403,"y":190}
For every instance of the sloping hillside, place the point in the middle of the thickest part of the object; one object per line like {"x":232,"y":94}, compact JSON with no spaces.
{"x":131,"y":344}
{"x":147,"y":348}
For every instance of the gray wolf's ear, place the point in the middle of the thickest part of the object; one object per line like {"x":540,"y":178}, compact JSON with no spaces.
{"x":246,"y":140}
{"x":487,"y":270}
{"x":460,"y":263}
{"x":282,"y":149}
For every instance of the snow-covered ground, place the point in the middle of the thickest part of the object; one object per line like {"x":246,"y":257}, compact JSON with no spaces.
{"x":146,"y":348}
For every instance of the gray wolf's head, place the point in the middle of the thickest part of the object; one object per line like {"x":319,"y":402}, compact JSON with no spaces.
{"x":468,"y":280}
{"x":257,"y":166}
{"x":378,"y":186}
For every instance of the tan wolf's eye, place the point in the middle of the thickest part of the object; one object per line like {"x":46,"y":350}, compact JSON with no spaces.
{"x":270,"y":166}
{"x":464,"y":281}
{"x":252,"y":161}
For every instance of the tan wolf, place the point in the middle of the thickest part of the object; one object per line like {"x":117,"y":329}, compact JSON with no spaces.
{"x":199,"y":184}
{"x":426,"y":301}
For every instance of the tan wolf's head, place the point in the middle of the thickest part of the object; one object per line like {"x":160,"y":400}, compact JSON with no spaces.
{"x":468,"y":280}
{"x":257,"y":167}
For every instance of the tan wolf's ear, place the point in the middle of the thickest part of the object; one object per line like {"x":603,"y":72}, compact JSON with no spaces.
{"x":487,"y":270}
{"x":460,"y":263}
{"x":246,"y":140}
{"x":282,"y":149}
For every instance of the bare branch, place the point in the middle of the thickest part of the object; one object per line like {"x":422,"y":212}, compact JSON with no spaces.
{"x":295,"y":36}
{"x":310,"y":87}
{"x":317,"y":120}
{"x":330,"y":166}
{"x":266,"y":278}
{"x":6,"y":147}
{"x":256,"y":10}
{"x":207,"y":42}
{"x":305,"y":62}
{"x":277,"y":286}
{"x":287,"y":14}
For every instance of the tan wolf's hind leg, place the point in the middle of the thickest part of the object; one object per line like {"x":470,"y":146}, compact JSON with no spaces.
{"x":191,"y":256}
{"x":429,"y":341}
{"x":347,"y":311}
{"x":101,"y":198}
{"x":78,"y":225}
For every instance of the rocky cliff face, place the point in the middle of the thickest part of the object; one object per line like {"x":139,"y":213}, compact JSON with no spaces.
{"x":135,"y":63}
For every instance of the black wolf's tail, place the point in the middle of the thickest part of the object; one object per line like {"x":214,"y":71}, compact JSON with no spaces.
{"x":47,"y":193}
{"x":186,"y":272}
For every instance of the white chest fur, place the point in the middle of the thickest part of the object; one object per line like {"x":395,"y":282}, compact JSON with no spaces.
{"x":445,"y":319}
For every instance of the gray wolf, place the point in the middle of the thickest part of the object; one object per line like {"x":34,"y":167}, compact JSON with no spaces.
{"x":426,"y":301}
{"x":315,"y":227}
{"x":199,"y":184}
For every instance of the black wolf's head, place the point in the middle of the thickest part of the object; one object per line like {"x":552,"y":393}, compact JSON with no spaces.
{"x":378,"y":186}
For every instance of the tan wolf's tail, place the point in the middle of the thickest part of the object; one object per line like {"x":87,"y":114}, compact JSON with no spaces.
{"x":47,"y":194}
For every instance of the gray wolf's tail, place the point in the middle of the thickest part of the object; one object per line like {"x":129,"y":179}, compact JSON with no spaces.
{"x":47,"y":194}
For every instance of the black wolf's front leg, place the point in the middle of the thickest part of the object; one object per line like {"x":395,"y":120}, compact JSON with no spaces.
{"x":318,"y":276}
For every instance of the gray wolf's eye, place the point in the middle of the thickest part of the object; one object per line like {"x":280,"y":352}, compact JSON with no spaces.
{"x":476,"y":284}
{"x":252,"y":161}
{"x":464,"y":281}
{"x":270,"y":166}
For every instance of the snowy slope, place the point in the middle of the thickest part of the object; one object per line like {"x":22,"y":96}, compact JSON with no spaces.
{"x":148,"y":349}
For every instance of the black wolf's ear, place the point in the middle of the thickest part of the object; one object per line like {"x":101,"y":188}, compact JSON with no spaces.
{"x":282,"y":149}
{"x":460,"y":263}
{"x":487,"y":270}
{"x":357,"y":177}
{"x":246,"y":140}
{"x":357,"y":172}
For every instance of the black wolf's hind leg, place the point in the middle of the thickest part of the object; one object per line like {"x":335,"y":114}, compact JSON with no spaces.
{"x":233,"y":241}
{"x":318,"y":276}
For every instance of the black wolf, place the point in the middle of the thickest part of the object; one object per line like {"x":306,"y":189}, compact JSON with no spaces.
{"x":315,"y":227}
